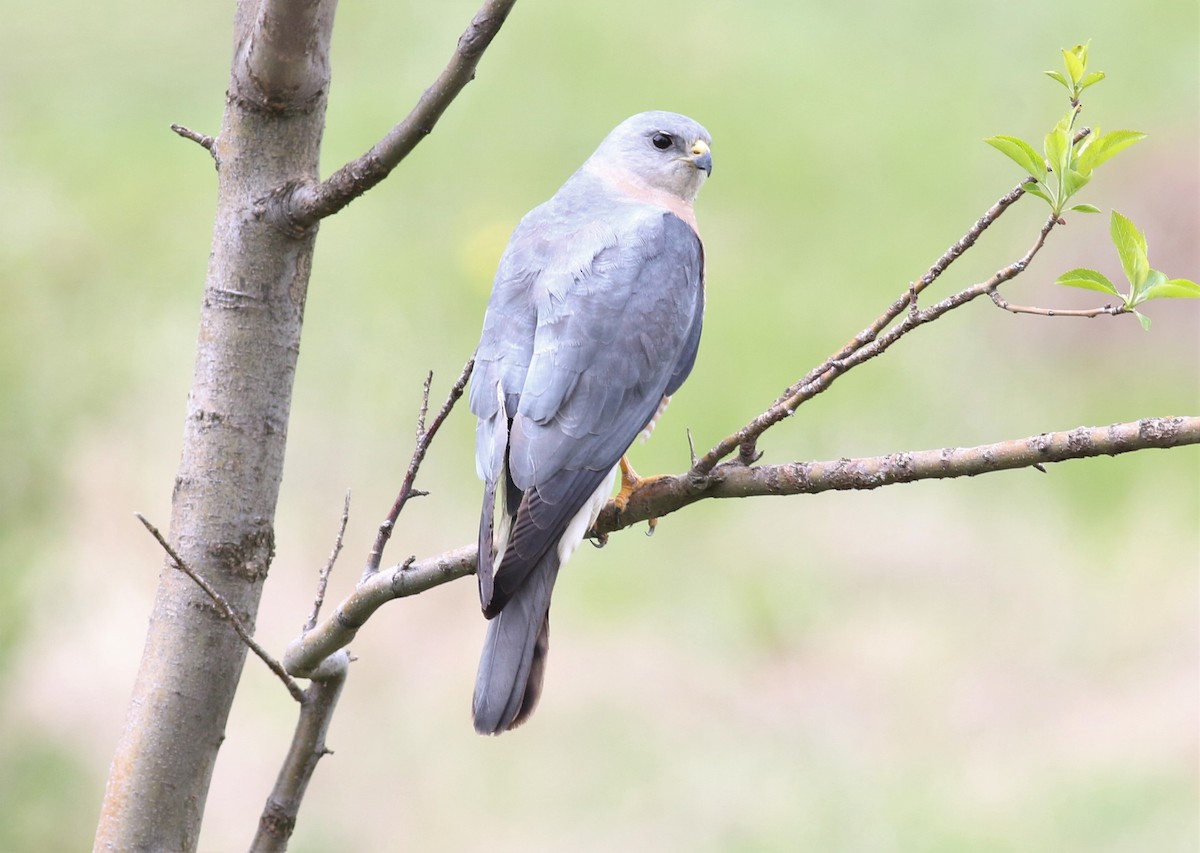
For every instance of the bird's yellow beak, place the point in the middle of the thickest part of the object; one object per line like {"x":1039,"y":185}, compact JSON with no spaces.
{"x":701,"y":156}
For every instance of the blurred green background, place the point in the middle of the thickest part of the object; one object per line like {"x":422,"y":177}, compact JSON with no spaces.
{"x":1007,"y":663}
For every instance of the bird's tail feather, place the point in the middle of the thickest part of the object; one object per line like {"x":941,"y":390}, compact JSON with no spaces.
{"x":513,"y":663}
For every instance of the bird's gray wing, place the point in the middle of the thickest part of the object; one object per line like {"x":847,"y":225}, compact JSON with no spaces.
{"x":610,"y":337}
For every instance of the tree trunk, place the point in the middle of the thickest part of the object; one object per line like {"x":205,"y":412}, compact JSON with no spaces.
{"x":223,"y":505}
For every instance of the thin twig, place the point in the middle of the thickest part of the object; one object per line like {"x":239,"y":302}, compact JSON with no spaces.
{"x":908,"y":298}
{"x":203,"y":140}
{"x":208,"y":143}
{"x":424,"y":410}
{"x":327,"y":569}
{"x":662,"y":496}
{"x":821,"y":377}
{"x":226,"y":611}
{"x":745,"y":440}
{"x":424,"y":438}
{"x":1110,"y":310}
{"x":310,"y":204}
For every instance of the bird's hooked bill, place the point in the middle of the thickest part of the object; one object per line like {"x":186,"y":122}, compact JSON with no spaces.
{"x":702,"y":157}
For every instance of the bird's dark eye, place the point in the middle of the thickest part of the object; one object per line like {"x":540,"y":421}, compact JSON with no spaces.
{"x":661,"y":141}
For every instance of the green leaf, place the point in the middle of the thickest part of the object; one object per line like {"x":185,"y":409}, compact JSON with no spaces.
{"x":1088,"y":280}
{"x":1081,"y":50}
{"x":1058,"y":75}
{"x":1073,"y":182}
{"x":1131,"y":246}
{"x":1091,"y":80}
{"x":1144,"y":320}
{"x":1074,"y":63}
{"x":1080,"y":159}
{"x":1086,"y":208}
{"x":1140,"y":293}
{"x":1106,"y":146}
{"x":1021,"y":153}
{"x":1057,"y":145}
{"x":1036,"y":189}
{"x":1176,"y":288}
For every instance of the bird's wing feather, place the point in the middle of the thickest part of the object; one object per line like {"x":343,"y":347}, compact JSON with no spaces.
{"x":584,"y":335}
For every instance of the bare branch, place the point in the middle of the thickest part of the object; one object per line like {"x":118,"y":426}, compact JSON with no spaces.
{"x":312,"y":203}
{"x":745,"y":439}
{"x":908,"y":299}
{"x":304,"y":654}
{"x":424,"y":438}
{"x":665,"y":495}
{"x":423,"y":412}
{"x":327,"y":569}
{"x":208,"y":143}
{"x":1110,"y":310}
{"x":662,"y":496}
{"x":307,"y":748}
{"x":863,"y":347}
{"x":225,"y":610}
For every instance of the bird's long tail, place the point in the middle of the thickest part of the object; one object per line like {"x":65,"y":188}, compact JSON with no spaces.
{"x":513,"y":663}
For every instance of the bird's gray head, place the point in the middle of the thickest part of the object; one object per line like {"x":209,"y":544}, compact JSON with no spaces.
{"x":664,"y":152}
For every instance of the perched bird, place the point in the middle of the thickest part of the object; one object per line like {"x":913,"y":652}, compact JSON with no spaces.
{"x":594,"y":320}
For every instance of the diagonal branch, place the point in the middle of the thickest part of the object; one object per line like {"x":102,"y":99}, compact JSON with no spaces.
{"x":424,"y":437}
{"x":327,"y":569}
{"x":866,"y":345}
{"x":821,"y":376}
{"x":225,"y":609}
{"x":309,"y":204}
{"x":909,"y":298}
{"x":662,"y":496}
{"x":308,"y":651}
{"x":208,"y":143}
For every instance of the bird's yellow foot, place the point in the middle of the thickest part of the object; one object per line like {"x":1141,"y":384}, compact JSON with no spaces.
{"x":630,"y":483}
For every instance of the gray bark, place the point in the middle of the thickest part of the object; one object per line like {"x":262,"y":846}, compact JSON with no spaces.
{"x":225,"y":493}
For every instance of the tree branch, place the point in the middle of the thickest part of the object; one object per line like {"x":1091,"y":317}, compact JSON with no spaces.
{"x":870,"y":343}
{"x":278,"y":817}
{"x":208,"y":143}
{"x":424,"y":437}
{"x":908,"y":299}
{"x":745,"y":440}
{"x":307,"y":652}
{"x":662,"y":496}
{"x":226,"y":611}
{"x":327,"y":569}
{"x":1110,"y":310}
{"x":310,"y":204}
{"x":659,"y":497}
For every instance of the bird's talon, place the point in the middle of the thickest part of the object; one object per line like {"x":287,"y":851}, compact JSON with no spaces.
{"x":600,"y":541}
{"x":630,"y":483}
{"x":651,"y":526}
